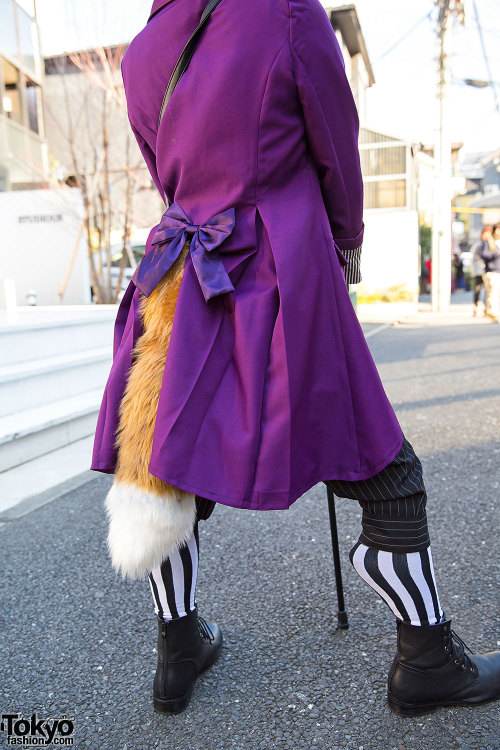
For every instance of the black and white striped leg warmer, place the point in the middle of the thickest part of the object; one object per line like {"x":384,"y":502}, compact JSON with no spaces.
{"x":173,"y":583}
{"x":404,"y":580}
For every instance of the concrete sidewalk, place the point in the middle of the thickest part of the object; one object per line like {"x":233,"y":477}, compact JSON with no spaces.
{"x":460,"y":313}
{"x":81,"y":642}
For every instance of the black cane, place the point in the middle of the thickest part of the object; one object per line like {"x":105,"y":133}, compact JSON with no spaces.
{"x":342,"y":614}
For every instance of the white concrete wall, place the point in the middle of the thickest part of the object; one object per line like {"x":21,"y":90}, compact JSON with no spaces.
{"x":39,"y":231}
{"x":390,"y":251}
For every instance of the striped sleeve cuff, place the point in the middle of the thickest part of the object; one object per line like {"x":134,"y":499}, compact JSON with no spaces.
{"x":352,"y":270}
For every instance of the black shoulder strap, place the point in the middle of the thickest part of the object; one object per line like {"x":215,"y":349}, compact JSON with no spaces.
{"x":186,"y":55}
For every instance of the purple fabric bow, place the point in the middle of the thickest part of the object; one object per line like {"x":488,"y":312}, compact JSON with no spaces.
{"x":175,"y":226}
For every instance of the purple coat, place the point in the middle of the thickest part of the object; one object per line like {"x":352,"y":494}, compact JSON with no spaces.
{"x":269,"y":386}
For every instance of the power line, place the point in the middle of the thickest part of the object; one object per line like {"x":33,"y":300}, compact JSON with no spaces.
{"x":486,"y":60}
{"x":402,"y":38}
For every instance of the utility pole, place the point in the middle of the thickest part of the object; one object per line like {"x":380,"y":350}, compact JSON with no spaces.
{"x":441,"y":227}
{"x":441,"y":230}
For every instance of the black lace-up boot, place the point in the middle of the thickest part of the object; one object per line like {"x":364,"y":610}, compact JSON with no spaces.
{"x":432,"y":669}
{"x":186,"y":647}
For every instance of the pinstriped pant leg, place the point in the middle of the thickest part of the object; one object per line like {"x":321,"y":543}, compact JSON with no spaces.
{"x":394,"y":504}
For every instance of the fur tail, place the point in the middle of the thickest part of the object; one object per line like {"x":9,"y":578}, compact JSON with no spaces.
{"x":148,"y":518}
{"x":145,"y":528}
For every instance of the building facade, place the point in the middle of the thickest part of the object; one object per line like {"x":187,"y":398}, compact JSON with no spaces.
{"x":23,"y":148}
{"x":42,"y":257}
{"x":390,"y":262}
{"x":347,"y":27}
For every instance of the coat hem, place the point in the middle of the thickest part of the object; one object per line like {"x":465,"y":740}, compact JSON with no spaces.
{"x":289,"y":496}
{"x":104,"y":468}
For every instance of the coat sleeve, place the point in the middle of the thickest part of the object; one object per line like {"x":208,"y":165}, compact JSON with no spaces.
{"x":332,"y":125}
{"x":487,"y":253}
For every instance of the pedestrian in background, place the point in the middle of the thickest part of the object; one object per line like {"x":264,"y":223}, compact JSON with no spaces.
{"x":261,"y":385}
{"x":458,"y":265}
{"x":490,"y":253}
{"x":477,"y":266}
{"x":428,"y":265}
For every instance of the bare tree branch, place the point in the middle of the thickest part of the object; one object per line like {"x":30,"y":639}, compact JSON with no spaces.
{"x":90,"y":117}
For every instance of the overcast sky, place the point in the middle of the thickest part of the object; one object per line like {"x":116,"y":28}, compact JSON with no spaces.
{"x":402,"y":101}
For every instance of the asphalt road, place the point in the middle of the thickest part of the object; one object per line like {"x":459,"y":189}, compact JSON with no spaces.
{"x":76,"y":640}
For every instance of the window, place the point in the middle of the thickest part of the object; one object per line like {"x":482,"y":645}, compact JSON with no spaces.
{"x":8,"y":33}
{"x":386,"y":166}
{"x":12,"y":104}
{"x":380,"y":161}
{"x":27,"y":38}
{"x":385,"y":194}
{"x":32,"y":106}
{"x":371,"y":136}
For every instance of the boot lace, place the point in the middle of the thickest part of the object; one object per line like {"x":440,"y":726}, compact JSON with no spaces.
{"x":205,"y":632}
{"x":455,"y":647}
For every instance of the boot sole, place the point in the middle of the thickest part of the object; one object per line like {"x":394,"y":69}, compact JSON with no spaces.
{"x":174,"y":706}
{"x":178,"y":705}
{"x":417,"y":709}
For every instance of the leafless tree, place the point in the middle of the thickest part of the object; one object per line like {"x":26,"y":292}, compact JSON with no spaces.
{"x":94,"y":126}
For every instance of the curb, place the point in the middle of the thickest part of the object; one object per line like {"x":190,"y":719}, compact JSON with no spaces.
{"x":33,"y":502}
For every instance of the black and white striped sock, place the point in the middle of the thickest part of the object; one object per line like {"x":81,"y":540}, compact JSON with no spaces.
{"x":404,"y":580}
{"x":173,"y":583}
